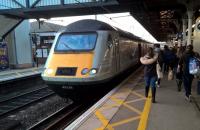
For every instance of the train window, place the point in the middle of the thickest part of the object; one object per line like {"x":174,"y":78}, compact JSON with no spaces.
{"x":76,"y":42}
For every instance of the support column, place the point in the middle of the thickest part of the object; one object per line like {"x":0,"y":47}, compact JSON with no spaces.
{"x":19,"y":47}
{"x":184,"y":32}
{"x":190,"y":15}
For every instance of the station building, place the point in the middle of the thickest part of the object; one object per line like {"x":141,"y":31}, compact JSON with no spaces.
{"x":29,"y":43}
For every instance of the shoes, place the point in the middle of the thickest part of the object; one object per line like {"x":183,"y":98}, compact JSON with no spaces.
{"x":188,"y":98}
{"x":157,"y":84}
{"x":153,"y":100}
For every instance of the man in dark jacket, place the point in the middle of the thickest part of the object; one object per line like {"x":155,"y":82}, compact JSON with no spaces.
{"x":187,"y":77}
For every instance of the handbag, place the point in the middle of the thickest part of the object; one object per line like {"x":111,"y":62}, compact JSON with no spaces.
{"x":159,"y":71}
{"x":170,"y":75}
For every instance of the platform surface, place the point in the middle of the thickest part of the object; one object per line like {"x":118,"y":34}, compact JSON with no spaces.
{"x":19,"y":73}
{"x":128,"y":109}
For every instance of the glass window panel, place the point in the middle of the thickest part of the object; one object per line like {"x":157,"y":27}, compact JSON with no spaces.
{"x":76,"y":42}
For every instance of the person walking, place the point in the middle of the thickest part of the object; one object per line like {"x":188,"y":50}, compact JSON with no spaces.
{"x":149,"y":61}
{"x":187,"y":77}
{"x":169,"y":59}
{"x":179,"y":73}
{"x":160,"y":61}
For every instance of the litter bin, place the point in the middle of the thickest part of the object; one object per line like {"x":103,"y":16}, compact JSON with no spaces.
{"x":198,"y":87}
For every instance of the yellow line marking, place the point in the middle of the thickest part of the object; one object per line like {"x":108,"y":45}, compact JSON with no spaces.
{"x":135,"y":100}
{"x":132,"y":108}
{"x":121,"y":93}
{"x":139,"y":85}
{"x":108,"y":107}
{"x":102,"y":128}
{"x":126,"y":105}
{"x":139,"y":95}
{"x":103,"y":120}
{"x":125,"y":121}
{"x":144,"y":117}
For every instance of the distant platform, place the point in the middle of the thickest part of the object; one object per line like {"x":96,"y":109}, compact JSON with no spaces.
{"x":13,"y":74}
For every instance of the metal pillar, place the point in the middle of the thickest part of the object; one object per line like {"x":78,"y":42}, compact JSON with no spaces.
{"x":190,"y":15}
{"x":184,"y":32}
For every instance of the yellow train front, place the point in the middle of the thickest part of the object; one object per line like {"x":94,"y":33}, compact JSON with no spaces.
{"x":86,"y":53}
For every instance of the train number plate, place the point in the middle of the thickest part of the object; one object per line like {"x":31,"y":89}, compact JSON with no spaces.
{"x":67,"y":87}
{"x":67,"y":71}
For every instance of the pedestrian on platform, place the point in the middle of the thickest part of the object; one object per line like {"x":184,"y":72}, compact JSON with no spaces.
{"x":150,"y":75}
{"x":160,"y":62}
{"x":169,"y":59}
{"x":187,"y":77}
{"x":179,"y":72}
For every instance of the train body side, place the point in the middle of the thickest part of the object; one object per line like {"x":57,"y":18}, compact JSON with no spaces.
{"x":111,"y":56}
{"x":114,"y":52}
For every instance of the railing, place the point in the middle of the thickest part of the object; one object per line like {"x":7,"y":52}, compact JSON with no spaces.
{"x":16,"y":4}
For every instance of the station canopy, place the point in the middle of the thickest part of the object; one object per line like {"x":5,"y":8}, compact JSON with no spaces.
{"x":162,"y":18}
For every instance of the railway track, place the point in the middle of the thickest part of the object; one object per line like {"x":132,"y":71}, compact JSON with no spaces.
{"x":13,"y":104}
{"x":62,"y":118}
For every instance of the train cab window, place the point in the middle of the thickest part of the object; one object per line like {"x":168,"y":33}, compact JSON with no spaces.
{"x":76,"y":42}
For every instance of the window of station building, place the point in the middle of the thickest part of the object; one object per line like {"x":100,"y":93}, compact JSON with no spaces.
{"x":46,"y":40}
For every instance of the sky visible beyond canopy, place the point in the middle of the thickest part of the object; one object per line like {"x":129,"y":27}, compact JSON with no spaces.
{"x":123,"y":21}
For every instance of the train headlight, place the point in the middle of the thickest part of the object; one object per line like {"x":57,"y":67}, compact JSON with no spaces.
{"x":93,"y":71}
{"x":49,"y":71}
{"x":85,"y":71}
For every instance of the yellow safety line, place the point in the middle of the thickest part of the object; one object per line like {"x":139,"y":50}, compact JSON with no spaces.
{"x":144,"y":117}
{"x":139,"y":95}
{"x":125,"y":121}
{"x":108,"y":107}
{"x":104,"y":121}
{"x":135,"y":100}
{"x":140,"y":85}
{"x":132,"y":108}
{"x":126,"y":105}
{"x":120,"y":93}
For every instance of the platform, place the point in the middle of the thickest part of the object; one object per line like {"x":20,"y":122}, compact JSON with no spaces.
{"x":12,"y":74}
{"x":126,"y":108}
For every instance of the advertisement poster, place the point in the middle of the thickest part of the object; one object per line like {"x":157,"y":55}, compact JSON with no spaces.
{"x":3,"y":56}
{"x":45,"y":53}
{"x":39,"y":53}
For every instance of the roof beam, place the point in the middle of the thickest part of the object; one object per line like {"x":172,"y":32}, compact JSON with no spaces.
{"x":35,"y":3}
{"x":18,"y":3}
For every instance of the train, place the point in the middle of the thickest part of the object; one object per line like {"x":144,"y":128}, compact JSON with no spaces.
{"x":90,"y":52}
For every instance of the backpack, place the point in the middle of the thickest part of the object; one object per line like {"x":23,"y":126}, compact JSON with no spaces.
{"x":194,"y":66}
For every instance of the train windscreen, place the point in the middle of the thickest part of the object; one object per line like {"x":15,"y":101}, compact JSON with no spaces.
{"x":76,"y":42}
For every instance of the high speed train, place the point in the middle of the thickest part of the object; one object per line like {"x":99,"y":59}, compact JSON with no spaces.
{"x":89,"y":52}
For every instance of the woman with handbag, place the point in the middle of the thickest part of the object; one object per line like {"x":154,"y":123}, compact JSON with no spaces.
{"x":150,"y":75}
{"x":159,"y":64}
